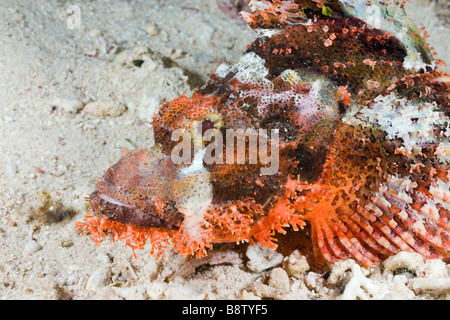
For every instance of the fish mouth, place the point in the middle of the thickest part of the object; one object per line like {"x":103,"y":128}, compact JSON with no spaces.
{"x":136,"y":191}
{"x":154,"y":215}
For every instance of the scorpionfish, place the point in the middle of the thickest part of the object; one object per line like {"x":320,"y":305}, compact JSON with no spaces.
{"x":345,"y":99}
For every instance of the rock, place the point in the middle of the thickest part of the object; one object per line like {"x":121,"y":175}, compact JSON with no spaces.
{"x":261,"y":259}
{"x":434,"y":285}
{"x":279,"y":279}
{"x":131,"y":293}
{"x":94,"y":33}
{"x":66,"y":243}
{"x":295,"y":265}
{"x":72,"y":105}
{"x":313,"y":281}
{"x":434,"y":268}
{"x":11,"y":168}
{"x":339,"y":271}
{"x":360,"y":287}
{"x":102,"y":108}
{"x":249,"y":296}
{"x":99,"y":278}
{"x":151,"y":29}
{"x":32,"y":246}
{"x":156,"y":289}
{"x":404,"y":260}
{"x":180,"y":290}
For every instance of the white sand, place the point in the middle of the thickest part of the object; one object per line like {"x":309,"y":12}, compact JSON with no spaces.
{"x":129,"y":55}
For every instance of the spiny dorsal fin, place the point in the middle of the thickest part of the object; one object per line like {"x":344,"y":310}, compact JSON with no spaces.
{"x":276,"y":13}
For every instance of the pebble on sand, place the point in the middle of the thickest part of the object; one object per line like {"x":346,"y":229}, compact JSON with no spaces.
{"x":101,"y":108}
{"x":68,"y":105}
{"x":99,"y":278}
{"x":260,"y":259}
{"x":279,"y":279}
{"x":32,"y":246}
{"x":11,"y":168}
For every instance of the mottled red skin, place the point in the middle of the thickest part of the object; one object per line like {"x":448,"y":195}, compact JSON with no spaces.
{"x":333,"y":174}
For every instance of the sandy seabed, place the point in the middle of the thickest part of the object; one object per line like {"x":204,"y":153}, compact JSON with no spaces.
{"x":73,"y":95}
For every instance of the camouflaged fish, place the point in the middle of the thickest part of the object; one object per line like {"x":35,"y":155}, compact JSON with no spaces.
{"x":358,"y":116}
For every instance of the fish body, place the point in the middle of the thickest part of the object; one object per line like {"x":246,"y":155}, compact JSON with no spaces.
{"x":325,"y":120}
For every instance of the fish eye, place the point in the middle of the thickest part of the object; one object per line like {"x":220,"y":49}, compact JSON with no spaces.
{"x":206,"y":125}
{"x":202,"y":124}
